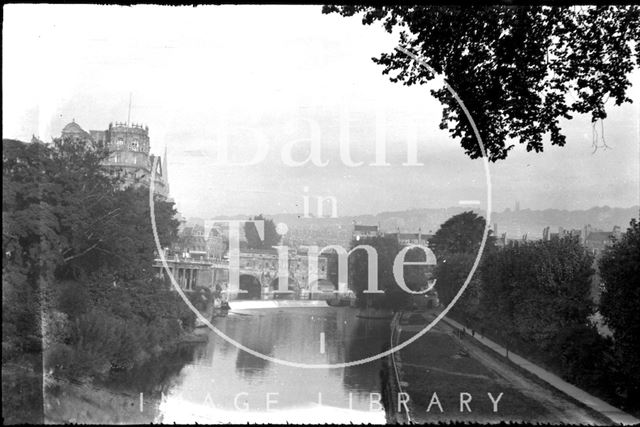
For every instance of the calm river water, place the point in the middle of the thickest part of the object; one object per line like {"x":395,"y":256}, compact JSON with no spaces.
{"x":224,"y":384}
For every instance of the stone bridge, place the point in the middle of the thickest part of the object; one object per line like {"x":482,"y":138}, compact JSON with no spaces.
{"x":258,"y":275}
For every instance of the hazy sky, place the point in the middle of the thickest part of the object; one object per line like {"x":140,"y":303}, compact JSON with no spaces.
{"x":273,"y":77}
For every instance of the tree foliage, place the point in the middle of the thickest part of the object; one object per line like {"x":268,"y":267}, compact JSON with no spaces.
{"x":78,"y":247}
{"x":535,"y":290}
{"x":456,"y":245}
{"x":65,"y":216}
{"x":451,"y":274}
{"x":461,"y":233}
{"x":387,"y":248}
{"x":519,"y":70}
{"x":620,"y":272}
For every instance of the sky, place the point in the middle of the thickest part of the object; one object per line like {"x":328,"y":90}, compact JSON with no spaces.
{"x":268,"y":85}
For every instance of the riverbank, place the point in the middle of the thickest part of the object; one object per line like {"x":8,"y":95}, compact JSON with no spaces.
{"x":22,"y":399}
{"x":441,"y":372}
{"x":264,"y":304}
{"x":391,"y":386}
{"x":614,"y":414}
{"x":125,"y":397}
{"x":85,"y":403}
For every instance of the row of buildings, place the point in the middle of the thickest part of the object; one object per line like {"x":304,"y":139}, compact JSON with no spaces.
{"x":594,"y":239}
{"x":404,"y":239}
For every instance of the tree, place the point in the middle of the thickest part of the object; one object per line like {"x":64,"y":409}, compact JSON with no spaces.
{"x":68,"y":227}
{"x":124,"y":240}
{"x":64,"y":215}
{"x":456,"y":245}
{"x":620,"y":272}
{"x":271,"y":237}
{"x":518,"y":69}
{"x":461,"y":233}
{"x":451,"y":274}
{"x":387,"y":248}
{"x":535,"y":290}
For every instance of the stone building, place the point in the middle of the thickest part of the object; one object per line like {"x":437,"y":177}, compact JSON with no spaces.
{"x":597,"y":240}
{"x":216,"y":244}
{"x":130,"y":157}
{"x":406,"y":239}
{"x":364,"y":231}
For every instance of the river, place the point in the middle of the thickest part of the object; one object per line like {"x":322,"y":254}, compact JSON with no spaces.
{"x":218,"y":383}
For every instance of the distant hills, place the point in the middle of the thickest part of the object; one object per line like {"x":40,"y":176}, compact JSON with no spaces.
{"x":514,"y":223}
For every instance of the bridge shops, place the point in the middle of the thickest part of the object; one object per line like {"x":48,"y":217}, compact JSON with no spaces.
{"x":257,"y":274}
{"x":191,"y":270}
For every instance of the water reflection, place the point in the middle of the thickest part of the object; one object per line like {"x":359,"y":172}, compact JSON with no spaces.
{"x":153,"y":378}
{"x":224,"y":384}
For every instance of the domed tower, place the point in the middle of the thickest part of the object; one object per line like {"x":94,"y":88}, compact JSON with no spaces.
{"x":129,"y":149}
{"x":129,"y":144}
{"x":74,"y":131}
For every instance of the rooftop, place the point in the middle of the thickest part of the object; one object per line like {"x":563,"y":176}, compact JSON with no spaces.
{"x":365,"y":228}
{"x":599,"y":236}
{"x":73,"y":127}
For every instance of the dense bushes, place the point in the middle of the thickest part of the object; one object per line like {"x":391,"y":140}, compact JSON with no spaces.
{"x":585,"y":359}
{"x":94,"y":329}
{"x":620,"y":307}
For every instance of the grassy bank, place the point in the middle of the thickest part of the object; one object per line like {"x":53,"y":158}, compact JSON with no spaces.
{"x":436,"y":363}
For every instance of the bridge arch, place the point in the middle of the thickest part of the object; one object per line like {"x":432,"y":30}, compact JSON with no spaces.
{"x":293,"y":286}
{"x":323,"y":285}
{"x":250,"y":284}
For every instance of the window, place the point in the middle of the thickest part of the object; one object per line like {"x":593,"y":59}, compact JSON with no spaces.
{"x":119,"y":143}
{"x":135,"y":145}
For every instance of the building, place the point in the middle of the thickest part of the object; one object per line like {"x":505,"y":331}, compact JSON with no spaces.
{"x":216,"y":244}
{"x":406,"y":239}
{"x":548,"y":235}
{"x":190,"y":239}
{"x":300,"y":271}
{"x":597,"y":240}
{"x":130,"y":157}
{"x":364,"y":231}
